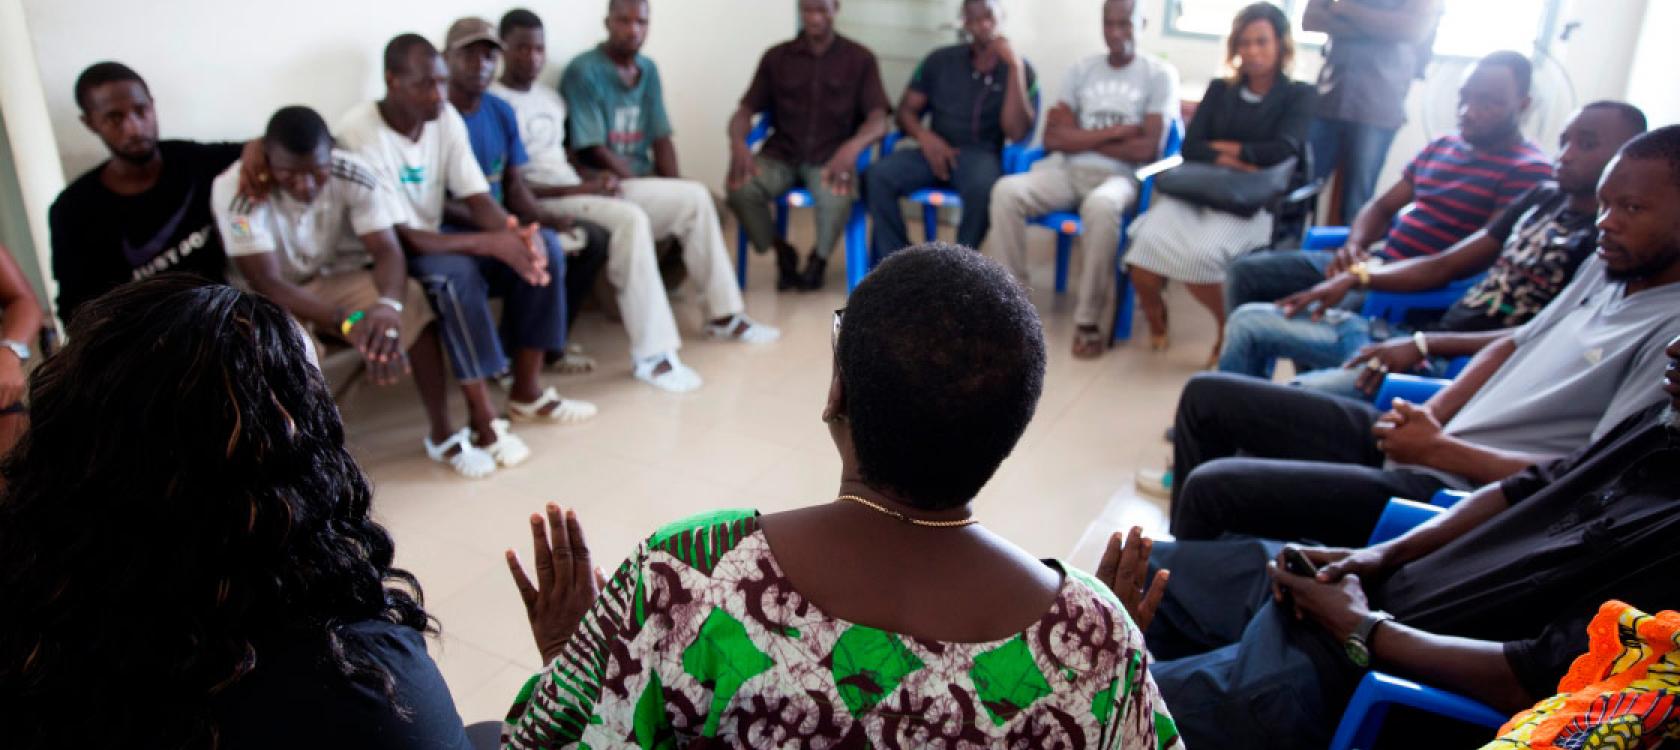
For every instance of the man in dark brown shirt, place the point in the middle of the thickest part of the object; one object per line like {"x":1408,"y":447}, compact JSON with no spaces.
{"x":824,"y":95}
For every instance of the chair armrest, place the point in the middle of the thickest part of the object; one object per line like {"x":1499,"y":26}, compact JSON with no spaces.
{"x":760,"y":130}
{"x":1395,"y":306}
{"x":1414,"y":388}
{"x":1324,"y":238}
{"x":1400,"y":516}
{"x":1447,"y":498}
{"x":1023,"y":158}
{"x":1365,"y":712}
{"x":891,"y":142}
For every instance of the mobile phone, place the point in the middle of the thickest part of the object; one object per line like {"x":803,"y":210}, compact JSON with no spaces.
{"x":1150,"y":170}
{"x":1295,"y":561}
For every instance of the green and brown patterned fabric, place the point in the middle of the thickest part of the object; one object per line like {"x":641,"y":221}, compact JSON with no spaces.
{"x":699,"y":640}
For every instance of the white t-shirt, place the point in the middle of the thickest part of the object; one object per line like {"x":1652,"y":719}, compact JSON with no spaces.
{"x":542,"y":128}
{"x":1101,"y":96}
{"x":424,"y":172}
{"x":313,"y":238}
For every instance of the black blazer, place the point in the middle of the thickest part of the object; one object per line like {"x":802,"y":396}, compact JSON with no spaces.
{"x":1271,"y":130}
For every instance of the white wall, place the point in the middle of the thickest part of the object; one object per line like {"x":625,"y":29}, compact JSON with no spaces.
{"x":218,"y":68}
{"x":1651,"y":82}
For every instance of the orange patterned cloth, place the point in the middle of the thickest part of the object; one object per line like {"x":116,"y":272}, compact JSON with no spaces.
{"x":1620,"y":695}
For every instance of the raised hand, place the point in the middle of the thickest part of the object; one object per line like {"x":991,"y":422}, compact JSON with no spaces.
{"x":1125,"y":569}
{"x":567,"y":583}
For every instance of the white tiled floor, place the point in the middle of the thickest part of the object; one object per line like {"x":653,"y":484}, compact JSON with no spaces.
{"x":751,"y":437}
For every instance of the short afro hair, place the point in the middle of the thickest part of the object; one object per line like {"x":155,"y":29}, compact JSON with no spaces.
{"x":399,"y":48}
{"x":1522,"y":71}
{"x":1632,"y":117}
{"x":101,"y":73}
{"x":518,"y":18}
{"x":1662,"y":143}
{"x":298,"y":130}
{"x":941,"y":358}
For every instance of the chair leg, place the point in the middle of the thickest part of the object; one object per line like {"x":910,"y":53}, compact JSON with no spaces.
{"x":1123,"y":303}
{"x":741,"y":257}
{"x":782,"y":212}
{"x":1064,"y":251}
{"x":930,"y":223}
{"x":857,"y":248}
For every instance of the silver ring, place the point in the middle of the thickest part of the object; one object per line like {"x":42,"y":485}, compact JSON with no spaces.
{"x":1374,"y":363}
{"x":392,"y":333}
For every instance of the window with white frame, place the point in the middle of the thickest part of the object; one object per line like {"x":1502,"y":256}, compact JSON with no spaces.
{"x":1469,"y":28}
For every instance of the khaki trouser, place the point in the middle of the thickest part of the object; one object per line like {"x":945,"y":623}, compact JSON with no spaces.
{"x":652,"y":208}
{"x":1100,"y":196}
{"x":751,"y":203}
{"x":356,"y":290}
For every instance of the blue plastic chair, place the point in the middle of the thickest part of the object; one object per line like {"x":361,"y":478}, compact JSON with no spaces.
{"x":1391,"y":306}
{"x":1414,"y":388}
{"x":1363,"y":718}
{"x":933,"y":199}
{"x":858,"y":260}
{"x":1067,"y":225}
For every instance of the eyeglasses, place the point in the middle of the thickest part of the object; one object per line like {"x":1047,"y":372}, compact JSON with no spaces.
{"x":834,"y":337}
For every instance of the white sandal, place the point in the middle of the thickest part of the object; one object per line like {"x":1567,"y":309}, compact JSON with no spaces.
{"x":680,"y":378}
{"x":754,"y":332}
{"x":469,"y":460}
{"x":568,"y":411}
{"x":573,"y":362}
{"x":508,"y":450}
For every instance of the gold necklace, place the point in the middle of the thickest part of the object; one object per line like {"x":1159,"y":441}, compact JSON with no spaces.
{"x":877,"y":507}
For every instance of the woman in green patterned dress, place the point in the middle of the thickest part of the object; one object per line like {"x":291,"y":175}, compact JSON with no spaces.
{"x":885,"y":618}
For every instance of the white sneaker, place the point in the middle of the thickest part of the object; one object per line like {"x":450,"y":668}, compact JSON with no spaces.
{"x":1156,"y":483}
{"x":754,"y":332}
{"x":680,"y":378}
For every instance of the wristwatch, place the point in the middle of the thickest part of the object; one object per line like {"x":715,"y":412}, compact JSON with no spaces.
{"x":1358,"y":645}
{"x":18,"y":347}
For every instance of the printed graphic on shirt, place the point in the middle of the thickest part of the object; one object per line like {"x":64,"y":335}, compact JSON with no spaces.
{"x":1536,"y":264}
{"x":413,"y":175}
{"x":155,"y":255}
{"x":1109,"y":102}
{"x":626,"y":136}
{"x":241,"y":228}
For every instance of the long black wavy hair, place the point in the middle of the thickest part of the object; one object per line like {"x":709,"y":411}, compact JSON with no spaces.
{"x":182,"y":498}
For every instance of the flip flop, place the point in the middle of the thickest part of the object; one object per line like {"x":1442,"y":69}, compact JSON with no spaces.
{"x":565,"y":411}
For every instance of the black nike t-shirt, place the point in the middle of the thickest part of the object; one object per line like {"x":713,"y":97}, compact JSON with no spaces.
{"x":101,"y":240}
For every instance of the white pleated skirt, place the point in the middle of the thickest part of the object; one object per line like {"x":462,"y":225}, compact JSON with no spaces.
{"x":1185,"y":242}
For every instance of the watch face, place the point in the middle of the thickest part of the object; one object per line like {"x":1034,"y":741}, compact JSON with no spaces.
{"x":1357,"y":653}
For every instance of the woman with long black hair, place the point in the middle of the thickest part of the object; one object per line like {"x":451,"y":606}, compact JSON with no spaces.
{"x":186,"y":553}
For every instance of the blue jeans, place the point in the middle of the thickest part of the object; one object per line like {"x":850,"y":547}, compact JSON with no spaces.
{"x":460,"y":288}
{"x":1360,"y":150}
{"x":905,"y":171}
{"x":1258,"y":334}
{"x":1236,"y":670}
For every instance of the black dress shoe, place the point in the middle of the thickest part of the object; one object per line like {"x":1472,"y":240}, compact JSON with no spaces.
{"x":787,"y":267}
{"x":811,"y":279}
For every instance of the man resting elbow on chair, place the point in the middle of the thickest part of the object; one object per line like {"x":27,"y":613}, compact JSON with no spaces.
{"x":1490,"y":599}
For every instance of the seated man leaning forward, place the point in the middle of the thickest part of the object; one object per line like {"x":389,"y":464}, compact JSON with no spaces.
{"x":1111,"y":115}
{"x":1490,"y":599}
{"x":1271,"y":460}
{"x":1545,"y":236}
{"x":618,"y":124}
{"x":554,"y":177}
{"x":887,"y":617}
{"x":414,"y":140}
{"x":823,"y":95}
{"x":288,"y":248}
{"x":1454,"y":186}
{"x":976,"y":96}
